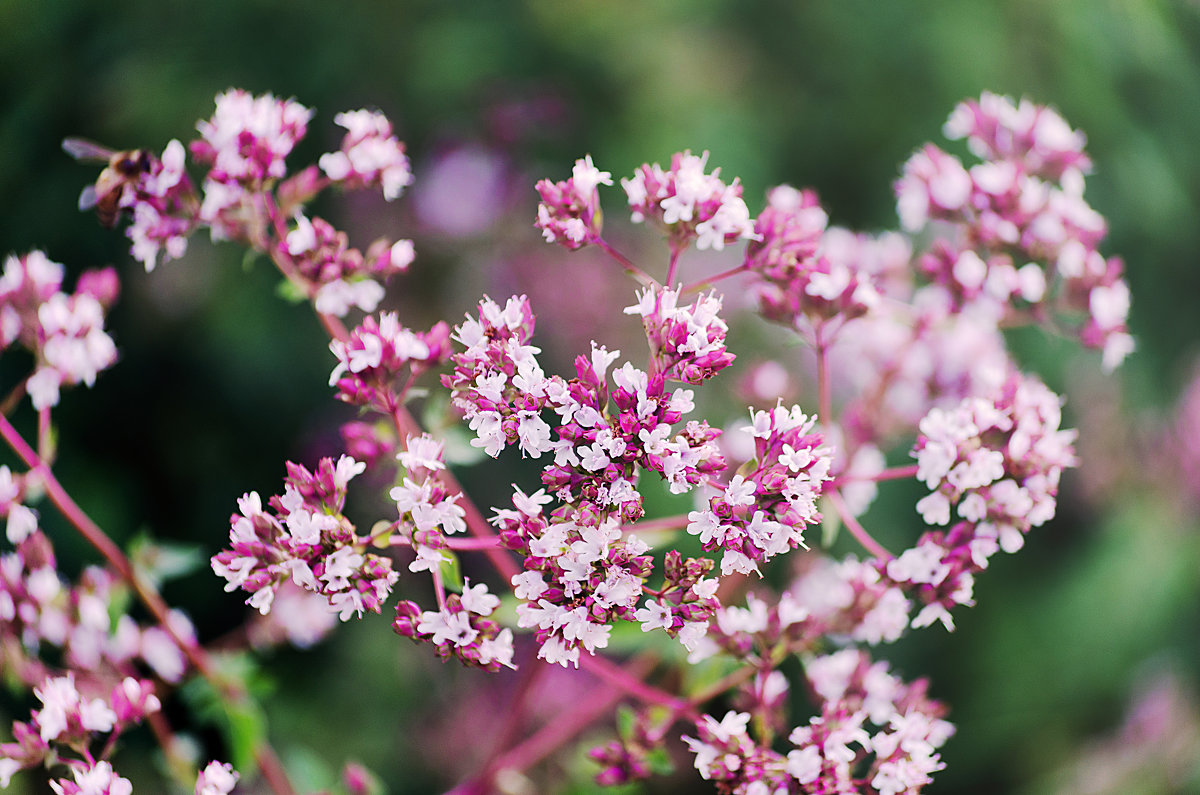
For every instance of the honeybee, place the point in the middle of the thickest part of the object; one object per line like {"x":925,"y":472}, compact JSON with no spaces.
{"x":124,"y":168}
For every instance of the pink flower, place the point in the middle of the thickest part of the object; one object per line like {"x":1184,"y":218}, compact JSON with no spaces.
{"x":689,"y":202}
{"x":569,"y":212}
{"x":217,"y":778}
{"x":370,"y":154}
{"x":248,"y":137}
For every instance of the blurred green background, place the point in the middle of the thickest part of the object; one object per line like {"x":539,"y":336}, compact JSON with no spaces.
{"x":220,"y":382}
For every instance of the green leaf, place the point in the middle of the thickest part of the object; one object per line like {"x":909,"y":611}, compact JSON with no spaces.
{"x":306,"y":765}
{"x":159,"y":561}
{"x":240,"y":719}
{"x":451,"y":571}
{"x":291,"y":292}
{"x":120,"y":598}
{"x":831,"y":524}
{"x":457,"y":448}
{"x":247,"y":730}
{"x":381,"y":537}
{"x":659,"y":761}
{"x":626,"y":718}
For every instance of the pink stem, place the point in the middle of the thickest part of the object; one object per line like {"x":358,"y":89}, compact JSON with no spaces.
{"x":472,"y":543}
{"x":652,"y":525}
{"x":509,"y":731}
{"x":44,"y":451}
{"x":544,"y":741}
{"x":674,"y":265}
{"x":268,"y":763}
{"x":824,"y":390}
{"x":439,"y":590}
{"x":637,"y":273}
{"x":696,"y":285}
{"x":894,"y":473}
{"x":631,"y":684}
{"x":855,"y":528}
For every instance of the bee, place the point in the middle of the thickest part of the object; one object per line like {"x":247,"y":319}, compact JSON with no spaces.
{"x":123,"y":168}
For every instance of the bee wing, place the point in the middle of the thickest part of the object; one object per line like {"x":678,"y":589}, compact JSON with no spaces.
{"x":83,"y":149}
{"x":88,"y":198}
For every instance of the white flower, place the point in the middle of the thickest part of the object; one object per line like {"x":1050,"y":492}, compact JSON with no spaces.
{"x":476,"y":599}
{"x":655,"y":615}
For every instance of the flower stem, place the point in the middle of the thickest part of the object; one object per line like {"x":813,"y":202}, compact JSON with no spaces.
{"x":632,"y":683}
{"x":856,"y":529}
{"x":710,"y":280}
{"x":473,"y":543}
{"x":824,"y":389}
{"x":652,"y":525}
{"x":637,"y":273}
{"x":268,"y":762}
{"x":676,"y":250}
{"x":892,"y":473}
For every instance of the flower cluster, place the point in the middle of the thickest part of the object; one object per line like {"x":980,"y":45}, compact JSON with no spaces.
{"x":1012,"y":241}
{"x":764,"y":514}
{"x":428,"y":511}
{"x":39,"y":611}
{"x":94,"y":779}
{"x":998,"y":463}
{"x":497,"y":382}
{"x":378,"y":352}
{"x":844,"y":600}
{"x":369,"y":155}
{"x":687,"y":343}
{"x":1023,"y":232}
{"x":461,"y":629}
{"x":248,"y":138}
{"x":581,"y":574}
{"x":341,"y":277}
{"x":800,"y":278}
{"x":847,"y":599}
{"x":569,"y":212}
{"x":305,"y":538}
{"x":896,"y":364}
{"x":64,"y":332}
{"x":1037,"y":136}
{"x":830,"y":753}
{"x":245,"y":196}
{"x":217,"y":778}
{"x":299,"y":617}
{"x":687,"y":601}
{"x":245,"y":143}
{"x":857,"y":693}
{"x":68,"y":720}
{"x":604,"y":435}
{"x":690,"y":203}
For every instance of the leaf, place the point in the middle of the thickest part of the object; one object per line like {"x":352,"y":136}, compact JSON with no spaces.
{"x":626,"y":718}
{"x":659,"y":761}
{"x":443,"y":424}
{"x":291,"y":292}
{"x":247,"y":729}
{"x":381,"y":537}
{"x":306,"y":765}
{"x":457,"y":447}
{"x":831,"y":524}
{"x":159,"y":561}
{"x":229,"y":705}
{"x":451,"y":572}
